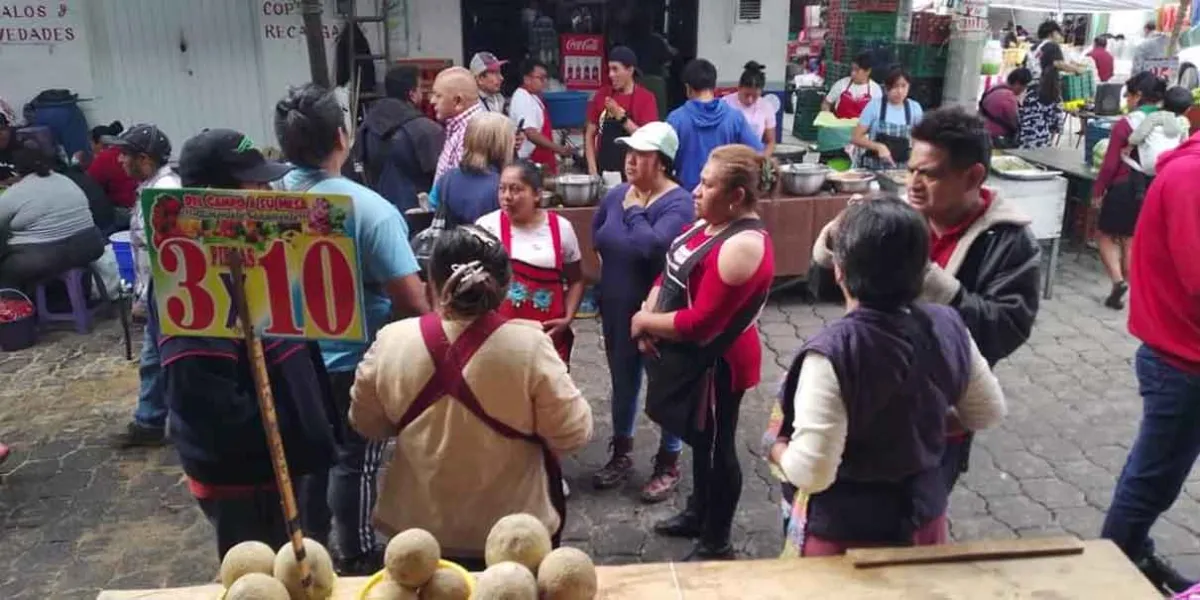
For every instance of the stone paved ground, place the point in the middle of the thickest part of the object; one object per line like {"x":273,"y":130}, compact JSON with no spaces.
{"x":76,"y":516}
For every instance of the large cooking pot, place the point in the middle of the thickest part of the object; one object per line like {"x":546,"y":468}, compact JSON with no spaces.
{"x":578,"y":190}
{"x":803,"y":179}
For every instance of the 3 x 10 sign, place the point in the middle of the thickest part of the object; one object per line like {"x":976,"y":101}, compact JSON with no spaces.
{"x":298,"y":254}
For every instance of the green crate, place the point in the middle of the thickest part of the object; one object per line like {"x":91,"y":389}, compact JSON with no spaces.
{"x":923,"y":60}
{"x":835,"y":71}
{"x":868,"y":25}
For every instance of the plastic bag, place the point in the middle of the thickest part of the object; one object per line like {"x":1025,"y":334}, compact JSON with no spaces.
{"x":106,"y":267}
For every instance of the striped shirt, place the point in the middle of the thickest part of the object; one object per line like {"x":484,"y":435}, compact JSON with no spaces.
{"x":456,"y":131}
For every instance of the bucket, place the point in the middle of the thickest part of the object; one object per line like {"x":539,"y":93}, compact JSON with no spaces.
{"x":567,"y":110}
{"x":21,"y":333}
{"x":123,"y":250}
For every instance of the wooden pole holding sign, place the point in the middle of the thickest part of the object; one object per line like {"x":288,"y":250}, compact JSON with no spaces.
{"x":266,"y":406}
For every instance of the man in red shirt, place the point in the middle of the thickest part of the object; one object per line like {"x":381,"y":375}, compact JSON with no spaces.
{"x":984,"y":261}
{"x":1164,"y":313}
{"x":617,"y":110}
{"x":1102,"y":58}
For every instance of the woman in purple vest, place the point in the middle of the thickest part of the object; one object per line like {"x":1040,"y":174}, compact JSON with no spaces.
{"x":867,"y":403}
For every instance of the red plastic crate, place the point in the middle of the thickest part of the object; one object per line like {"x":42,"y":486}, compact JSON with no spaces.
{"x":929,"y":28}
{"x":875,"y":5}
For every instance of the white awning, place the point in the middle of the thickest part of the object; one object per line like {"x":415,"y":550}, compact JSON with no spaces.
{"x":1074,"y":6}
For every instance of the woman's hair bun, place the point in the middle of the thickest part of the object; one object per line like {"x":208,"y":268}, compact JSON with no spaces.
{"x":754,"y":66}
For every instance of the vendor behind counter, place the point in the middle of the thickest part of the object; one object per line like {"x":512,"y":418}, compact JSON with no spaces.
{"x":849,"y":96}
{"x":883,"y":138}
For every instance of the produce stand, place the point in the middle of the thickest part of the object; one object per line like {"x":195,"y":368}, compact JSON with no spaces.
{"x":1098,"y":571}
{"x":793,"y":223}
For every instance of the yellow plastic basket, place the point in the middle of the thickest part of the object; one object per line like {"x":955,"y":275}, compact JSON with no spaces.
{"x":378,"y":577}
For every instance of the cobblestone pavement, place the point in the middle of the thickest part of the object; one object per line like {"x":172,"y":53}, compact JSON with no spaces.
{"x":76,"y":516}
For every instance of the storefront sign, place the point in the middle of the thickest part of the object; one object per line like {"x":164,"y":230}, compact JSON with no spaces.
{"x":583,"y":65}
{"x":301,"y":265}
{"x":38,"y":23}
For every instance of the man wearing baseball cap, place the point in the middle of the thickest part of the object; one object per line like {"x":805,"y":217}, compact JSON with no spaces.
{"x":616,"y":110}
{"x":145,"y":150}
{"x":486,"y":69}
{"x":226,"y":159}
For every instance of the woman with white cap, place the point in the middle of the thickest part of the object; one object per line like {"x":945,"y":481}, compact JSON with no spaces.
{"x":632,"y":230}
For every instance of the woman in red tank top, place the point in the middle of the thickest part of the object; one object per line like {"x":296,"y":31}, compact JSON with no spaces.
{"x":717,"y":278}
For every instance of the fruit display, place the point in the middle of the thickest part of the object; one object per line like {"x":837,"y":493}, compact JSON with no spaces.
{"x":320,"y":566}
{"x":567,"y":574}
{"x":245,"y":558}
{"x":506,"y":581}
{"x":412,"y":558}
{"x":257,"y":586}
{"x":518,"y":538}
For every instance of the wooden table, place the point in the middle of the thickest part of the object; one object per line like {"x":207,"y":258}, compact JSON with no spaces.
{"x":793,"y":222}
{"x":1101,"y":571}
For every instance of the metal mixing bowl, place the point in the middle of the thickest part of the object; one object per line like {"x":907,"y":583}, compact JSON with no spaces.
{"x":802,"y":179}
{"x":578,"y":190}
{"x":854,"y":186}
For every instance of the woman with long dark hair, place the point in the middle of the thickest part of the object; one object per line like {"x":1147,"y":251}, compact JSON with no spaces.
{"x":45,"y":225}
{"x":481,"y":411}
{"x":1041,"y":113}
{"x":1116,"y":191}
{"x":631,"y":231}
{"x":748,"y":99}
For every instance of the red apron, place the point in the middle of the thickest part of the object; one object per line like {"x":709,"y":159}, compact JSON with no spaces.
{"x":544,"y":156}
{"x":449,"y":360}
{"x":849,"y":107}
{"x":538,"y":293}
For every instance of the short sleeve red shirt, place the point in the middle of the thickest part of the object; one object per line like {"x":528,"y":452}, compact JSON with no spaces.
{"x":641,"y":105}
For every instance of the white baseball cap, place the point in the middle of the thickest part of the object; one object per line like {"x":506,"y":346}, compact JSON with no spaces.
{"x":655,"y":136}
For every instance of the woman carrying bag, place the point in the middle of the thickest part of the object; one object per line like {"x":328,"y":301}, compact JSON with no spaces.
{"x":698,"y":331}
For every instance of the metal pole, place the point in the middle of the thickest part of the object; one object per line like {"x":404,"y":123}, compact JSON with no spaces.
{"x":311,"y":11}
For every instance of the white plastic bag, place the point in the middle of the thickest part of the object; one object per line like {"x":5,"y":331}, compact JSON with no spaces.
{"x":106,"y":266}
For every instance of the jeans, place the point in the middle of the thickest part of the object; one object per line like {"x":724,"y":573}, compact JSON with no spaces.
{"x":352,"y":480}
{"x":151,"y":408}
{"x":1166,"y":447}
{"x":625,"y":369}
{"x":259,"y":516}
{"x":716,"y":472}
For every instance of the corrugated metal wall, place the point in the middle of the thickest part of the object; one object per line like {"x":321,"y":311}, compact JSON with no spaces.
{"x":182,"y":64}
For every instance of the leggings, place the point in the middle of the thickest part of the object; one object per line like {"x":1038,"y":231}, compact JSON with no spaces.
{"x":625,"y":369}
{"x":23,"y":265}
{"x":716,"y":472}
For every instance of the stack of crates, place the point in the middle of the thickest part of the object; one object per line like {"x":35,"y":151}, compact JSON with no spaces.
{"x":923,"y":60}
{"x":1078,"y":86}
{"x":930,"y":28}
{"x":808,"y":105}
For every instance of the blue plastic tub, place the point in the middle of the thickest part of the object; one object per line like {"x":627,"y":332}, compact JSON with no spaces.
{"x":568,"y":110}
{"x":124,"y":253}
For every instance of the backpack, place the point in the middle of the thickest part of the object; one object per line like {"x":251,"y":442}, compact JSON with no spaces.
{"x":1156,"y":144}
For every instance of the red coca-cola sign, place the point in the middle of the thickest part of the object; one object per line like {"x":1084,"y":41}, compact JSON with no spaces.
{"x":582,"y":61}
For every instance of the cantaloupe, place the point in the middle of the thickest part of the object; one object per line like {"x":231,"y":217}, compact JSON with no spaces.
{"x":506,"y":581}
{"x":246,"y":557}
{"x":567,"y":574}
{"x":446,"y":584}
{"x":319,"y":564}
{"x":520,"y":538}
{"x":412,"y":557}
{"x":256,"y":586}
{"x":390,"y":590}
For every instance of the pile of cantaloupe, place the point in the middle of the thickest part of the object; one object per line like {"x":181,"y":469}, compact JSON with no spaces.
{"x":520,"y":566}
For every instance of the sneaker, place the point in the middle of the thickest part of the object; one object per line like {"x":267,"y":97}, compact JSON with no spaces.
{"x":1116,"y":298}
{"x":1163,"y":575}
{"x":705,"y":551}
{"x":140,"y":436}
{"x":619,"y":467}
{"x":683,"y":525}
{"x":665,"y":479}
{"x":362,"y":565}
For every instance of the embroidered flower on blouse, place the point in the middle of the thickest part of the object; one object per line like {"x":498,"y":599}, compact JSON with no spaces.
{"x":518,"y":293}
{"x":542,"y":299}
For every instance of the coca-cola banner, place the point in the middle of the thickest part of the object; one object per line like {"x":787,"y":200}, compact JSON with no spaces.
{"x":583,"y":64}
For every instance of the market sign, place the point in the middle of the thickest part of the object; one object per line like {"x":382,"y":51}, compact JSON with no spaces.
{"x":300,"y":262}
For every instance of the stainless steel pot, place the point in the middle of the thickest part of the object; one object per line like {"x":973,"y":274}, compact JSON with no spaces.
{"x":860,"y":184}
{"x":801,"y":179}
{"x":578,"y":190}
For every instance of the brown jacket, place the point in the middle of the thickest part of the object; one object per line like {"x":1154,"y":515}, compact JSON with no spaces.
{"x":451,"y":474}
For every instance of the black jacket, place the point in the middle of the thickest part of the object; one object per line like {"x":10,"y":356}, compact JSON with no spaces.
{"x":397,"y":148}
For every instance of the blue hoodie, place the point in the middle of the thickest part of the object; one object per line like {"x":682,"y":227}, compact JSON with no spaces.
{"x":702,"y":127}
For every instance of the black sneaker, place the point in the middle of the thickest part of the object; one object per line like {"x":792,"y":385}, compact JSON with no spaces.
{"x":362,"y":565}
{"x":683,"y":525}
{"x":140,"y":436}
{"x":705,"y":551}
{"x":1163,"y":575}
{"x":1116,"y":298}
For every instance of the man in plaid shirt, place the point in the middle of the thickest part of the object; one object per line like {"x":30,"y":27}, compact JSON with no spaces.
{"x":456,"y":101}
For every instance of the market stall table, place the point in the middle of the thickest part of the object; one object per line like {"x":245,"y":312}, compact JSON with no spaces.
{"x":793,"y":222}
{"x":1099,"y":571}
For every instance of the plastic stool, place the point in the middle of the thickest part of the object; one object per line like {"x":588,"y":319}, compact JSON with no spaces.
{"x":80,"y":313}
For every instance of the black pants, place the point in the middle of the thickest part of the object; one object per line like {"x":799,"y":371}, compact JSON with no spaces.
{"x":22,"y":265}
{"x":716,"y":472}
{"x":259,"y":516}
